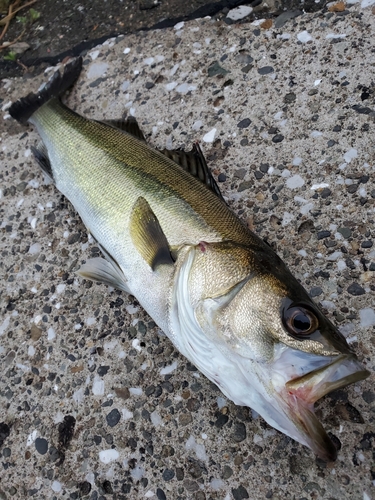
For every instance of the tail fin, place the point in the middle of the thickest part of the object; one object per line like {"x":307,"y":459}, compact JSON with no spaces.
{"x":22,"y":109}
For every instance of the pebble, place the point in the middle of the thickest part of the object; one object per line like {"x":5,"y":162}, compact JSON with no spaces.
{"x":355,"y":289}
{"x":56,"y":486}
{"x":349,"y":413}
{"x":363,"y":110}
{"x":266,"y":70}
{"x":294,"y":182}
{"x":215,"y":69}
{"x":285,"y":16}
{"x":240,"y":173}
{"x":209,"y":136}
{"x":216,"y":484}
{"x":239,"y":432}
{"x":325,"y":193}
{"x":368,"y":396}
{"x":169,"y":369}
{"x":289,"y":98}
{"x":113,"y":417}
{"x":316,"y":291}
{"x":304,"y":37}
{"x":345,"y":232}
{"x":160,"y":494}
{"x":244,"y":123}
{"x":168,"y":474}
{"x":103,"y":370}
{"x":350,"y":155}
{"x":41,"y":445}
{"x":227,"y":472}
{"x":239,"y":12}
{"x":240,"y":493}
{"x":366,"y":244}
{"x":221,"y":420}
{"x":98,"y":386}
{"x":73,"y":238}
{"x":278,"y":138}
{"x":367,"y":317}
{"x":245,"y":185}
{"x":185,"y":419}
{"x":323,"y":234}
{"x":85,"y":488}
{"x":108,"y":456}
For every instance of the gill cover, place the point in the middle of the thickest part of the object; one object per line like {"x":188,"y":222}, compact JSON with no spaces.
{"x":235,"y":293}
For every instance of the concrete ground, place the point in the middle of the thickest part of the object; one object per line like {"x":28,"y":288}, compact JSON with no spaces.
{"x":96,"y":402}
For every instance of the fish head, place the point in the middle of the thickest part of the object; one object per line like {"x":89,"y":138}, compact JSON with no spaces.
{"x":281,"y":352}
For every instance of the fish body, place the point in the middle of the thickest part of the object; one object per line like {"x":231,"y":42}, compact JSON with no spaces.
{"x":224,"y":298}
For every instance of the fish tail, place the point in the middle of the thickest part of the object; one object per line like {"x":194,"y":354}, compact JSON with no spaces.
{"x":25,"y":107}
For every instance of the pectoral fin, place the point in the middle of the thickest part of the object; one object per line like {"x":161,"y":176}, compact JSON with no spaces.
{"x":101,"y":270}
{"x":148,"y":236}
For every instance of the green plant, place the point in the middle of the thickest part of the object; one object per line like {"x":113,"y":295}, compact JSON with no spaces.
{"x":11,"y":56}
{"x":34,"y":15}
{"x":22,"y":19}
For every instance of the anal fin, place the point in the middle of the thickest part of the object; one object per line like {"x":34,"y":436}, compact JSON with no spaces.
{"x":102,"y":271}
{"x":41,"y":155}
{"x":148,"y":236}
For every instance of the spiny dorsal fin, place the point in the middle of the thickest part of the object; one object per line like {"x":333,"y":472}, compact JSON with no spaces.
{"x":194,"y":162}
{"x":147,"y":235}
{"x":25,"y":107}
{"x":129,"y":125}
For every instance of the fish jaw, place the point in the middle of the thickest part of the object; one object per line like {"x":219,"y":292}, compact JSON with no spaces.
{"x":298,"y":395}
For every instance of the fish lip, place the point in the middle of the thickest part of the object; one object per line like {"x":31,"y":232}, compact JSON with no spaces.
{"x":342,"y":371}
{"x":302,"y":392}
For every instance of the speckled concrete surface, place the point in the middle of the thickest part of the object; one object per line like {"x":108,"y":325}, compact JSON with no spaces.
{"x":96,"y":403}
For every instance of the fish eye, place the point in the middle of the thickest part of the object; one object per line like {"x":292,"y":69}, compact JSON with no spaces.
{"x":299,"y":321}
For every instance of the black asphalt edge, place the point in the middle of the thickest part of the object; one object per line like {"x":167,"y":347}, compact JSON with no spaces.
{"x":73,"y":52}
{"x":206,"y":10}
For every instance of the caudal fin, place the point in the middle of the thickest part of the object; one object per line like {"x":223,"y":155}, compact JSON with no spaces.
{"x":22,"y":109}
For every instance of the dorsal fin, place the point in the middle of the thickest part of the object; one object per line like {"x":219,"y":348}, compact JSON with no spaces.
{"x":129,"y":125}
{"x":194,"y":162}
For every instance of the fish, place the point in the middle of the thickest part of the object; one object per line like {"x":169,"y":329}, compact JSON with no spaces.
{"x":220,"y":293}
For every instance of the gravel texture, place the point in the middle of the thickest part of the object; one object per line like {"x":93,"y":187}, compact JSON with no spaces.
{"x":96,"y":401}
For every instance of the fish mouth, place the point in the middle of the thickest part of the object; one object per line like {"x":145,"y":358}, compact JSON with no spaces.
{"x":302,"y":392}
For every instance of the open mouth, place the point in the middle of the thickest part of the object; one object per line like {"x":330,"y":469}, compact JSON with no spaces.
{"x":302,"y":392}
